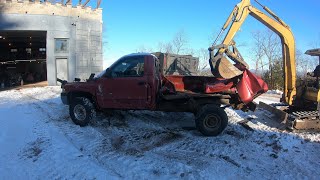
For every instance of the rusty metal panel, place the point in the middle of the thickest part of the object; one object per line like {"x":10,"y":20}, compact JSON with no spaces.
{"x":174,"y":64}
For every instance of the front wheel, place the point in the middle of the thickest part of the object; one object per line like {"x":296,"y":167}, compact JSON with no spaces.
{"x":81,"y":111}
{"x":211,"y":120}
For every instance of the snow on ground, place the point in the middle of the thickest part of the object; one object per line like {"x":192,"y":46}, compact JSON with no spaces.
{"x":274,"y":92}
{"x":268,"y":98}
{"x":38,"y":140}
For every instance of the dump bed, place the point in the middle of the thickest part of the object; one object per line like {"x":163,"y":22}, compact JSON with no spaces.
{"x":197,"y":84}
{"x":248,"y":87}
{"x":174,"y":64}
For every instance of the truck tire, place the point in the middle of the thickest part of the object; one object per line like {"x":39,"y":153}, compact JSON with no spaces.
{"x":81,"y":111}
{"x":211,"y":120}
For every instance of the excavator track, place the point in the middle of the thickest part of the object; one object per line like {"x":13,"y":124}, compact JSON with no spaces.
{"x":297,"y":120}
{"x":306,"y":120}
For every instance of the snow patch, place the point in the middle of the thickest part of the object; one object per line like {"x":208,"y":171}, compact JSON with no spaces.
{"x":275,"y":92}
{"x":39,"y":140}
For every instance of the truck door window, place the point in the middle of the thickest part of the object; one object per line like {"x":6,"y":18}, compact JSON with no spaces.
{"x":129,"y":67}
{"x":157,"y":66}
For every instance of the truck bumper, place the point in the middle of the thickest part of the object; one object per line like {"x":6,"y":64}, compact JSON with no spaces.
{"x":64,"y":98}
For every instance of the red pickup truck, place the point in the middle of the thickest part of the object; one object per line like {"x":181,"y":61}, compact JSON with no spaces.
{"x":135,"y":82}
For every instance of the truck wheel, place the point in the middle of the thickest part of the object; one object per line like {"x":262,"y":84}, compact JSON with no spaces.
{"x":81,"y":111}
{"x":211,"y":120}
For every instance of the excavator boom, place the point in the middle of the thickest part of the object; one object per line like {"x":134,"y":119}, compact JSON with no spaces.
{"x":300,"y":110}
{"x":221,"y":67}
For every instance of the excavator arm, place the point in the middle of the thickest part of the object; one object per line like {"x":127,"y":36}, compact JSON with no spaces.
{"x":222,"y":67}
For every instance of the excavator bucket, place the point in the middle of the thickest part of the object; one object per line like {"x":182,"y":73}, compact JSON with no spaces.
{"x":225,"y":69}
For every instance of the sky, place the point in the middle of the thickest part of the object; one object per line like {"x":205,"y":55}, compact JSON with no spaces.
{"x":130,"y":25}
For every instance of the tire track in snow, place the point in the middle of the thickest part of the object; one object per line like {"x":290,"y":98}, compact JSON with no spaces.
{"x":116,"y":155}
{"x":73,"y":133}
{"x":128,"y":146}
{"x":52,"y":170}
{"x":187,"y":155}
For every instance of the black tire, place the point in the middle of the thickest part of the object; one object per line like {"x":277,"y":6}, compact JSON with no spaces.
{"x":81,"y":111}
{"x":211,"y":120}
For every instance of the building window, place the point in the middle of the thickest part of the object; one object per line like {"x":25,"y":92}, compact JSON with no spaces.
{"x":61,"y":45}
{"x":42,"y":49}
{"x":28,"y":50}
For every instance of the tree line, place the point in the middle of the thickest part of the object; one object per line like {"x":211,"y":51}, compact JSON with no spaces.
{"x":267,"y":56}
{"x":265,"y":51}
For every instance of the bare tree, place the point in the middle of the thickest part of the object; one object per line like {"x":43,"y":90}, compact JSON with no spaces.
{"x":143,"y":49}
{"x":179,"y":42}
{"x":165,"y":47}
{"x":267,"y":47}
{"x":302,"y":64}
{"x":203,"y":59}
{"x":190,"y":51}
{"x":258,"y":51}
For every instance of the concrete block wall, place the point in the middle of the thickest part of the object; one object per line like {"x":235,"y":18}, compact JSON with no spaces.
{"x":88,"y":48}
{"x":81,"y":26}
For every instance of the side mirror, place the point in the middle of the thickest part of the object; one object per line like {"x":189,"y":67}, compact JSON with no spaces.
{"x":91,"y":77}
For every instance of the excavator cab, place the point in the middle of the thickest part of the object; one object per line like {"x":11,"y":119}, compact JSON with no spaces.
{"x":311,"y":92}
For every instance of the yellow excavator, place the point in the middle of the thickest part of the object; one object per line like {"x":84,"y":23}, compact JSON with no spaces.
{"x":289,"y":113}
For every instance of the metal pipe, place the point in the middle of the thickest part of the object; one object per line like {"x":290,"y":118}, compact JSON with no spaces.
{"x":271,"y":13}
{"x":258,"y":3}
{"x":226,"y":24}
{"x":215,"y":41}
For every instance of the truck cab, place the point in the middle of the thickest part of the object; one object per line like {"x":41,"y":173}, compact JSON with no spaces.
{"x":130,"y":83}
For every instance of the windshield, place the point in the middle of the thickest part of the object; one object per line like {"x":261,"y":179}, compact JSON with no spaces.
{"x":100,"y":74}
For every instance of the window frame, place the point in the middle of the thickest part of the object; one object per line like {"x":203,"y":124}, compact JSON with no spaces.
{"x":55,"y":45}
{"x":124,"y":59}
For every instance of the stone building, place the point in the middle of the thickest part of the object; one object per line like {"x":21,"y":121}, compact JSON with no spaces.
{"x":49,"y":40}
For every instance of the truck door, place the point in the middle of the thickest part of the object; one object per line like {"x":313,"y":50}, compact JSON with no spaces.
{"x":126,"y":86}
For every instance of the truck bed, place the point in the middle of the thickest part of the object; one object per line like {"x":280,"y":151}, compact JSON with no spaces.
{"x":188,"y":95}
{"x":197,"y":85}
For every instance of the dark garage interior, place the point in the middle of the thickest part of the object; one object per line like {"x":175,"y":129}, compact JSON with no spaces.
{"x":22,"y":58}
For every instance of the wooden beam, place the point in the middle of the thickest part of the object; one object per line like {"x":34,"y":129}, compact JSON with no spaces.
{"x":87,"y":1}
{"x":98,"y":3}
{"x":69,"y":2}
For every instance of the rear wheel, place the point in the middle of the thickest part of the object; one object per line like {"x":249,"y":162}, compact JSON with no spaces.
{"x":211,"y":120}
{"x":81,"y":111}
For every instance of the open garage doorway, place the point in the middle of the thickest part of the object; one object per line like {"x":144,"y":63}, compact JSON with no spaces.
{"x":22,"y":58}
